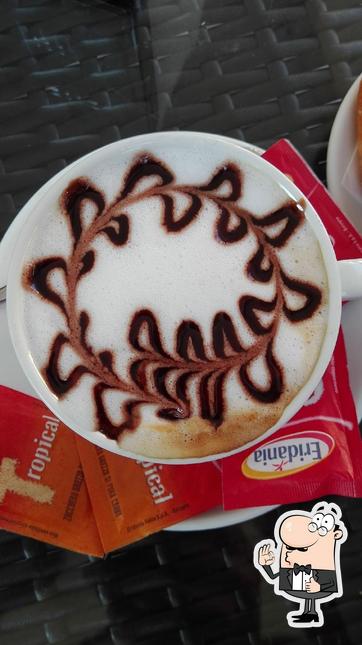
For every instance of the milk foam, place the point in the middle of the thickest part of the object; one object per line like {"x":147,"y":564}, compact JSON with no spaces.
{"x":178,"y":276}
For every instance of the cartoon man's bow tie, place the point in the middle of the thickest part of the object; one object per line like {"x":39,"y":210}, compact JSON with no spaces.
{"x":298,"y":568}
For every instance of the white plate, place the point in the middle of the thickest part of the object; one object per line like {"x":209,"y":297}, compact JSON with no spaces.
{"x":342,"y":159}
{"x":12,"y":375}
{"x":218,"y":518}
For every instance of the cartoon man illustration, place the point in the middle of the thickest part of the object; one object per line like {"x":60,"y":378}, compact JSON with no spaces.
{"x":308,"y":549}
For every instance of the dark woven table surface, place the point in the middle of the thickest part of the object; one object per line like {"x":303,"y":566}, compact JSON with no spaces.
{"x":78,"y":74}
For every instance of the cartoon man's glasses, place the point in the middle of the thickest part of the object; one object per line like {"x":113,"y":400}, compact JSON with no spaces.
{"x":321,"y":523}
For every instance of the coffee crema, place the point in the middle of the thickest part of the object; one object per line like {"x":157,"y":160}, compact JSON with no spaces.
{"x":173,"y":385}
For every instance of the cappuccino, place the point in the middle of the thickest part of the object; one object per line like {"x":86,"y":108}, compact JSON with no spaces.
{"x":175,"y":300}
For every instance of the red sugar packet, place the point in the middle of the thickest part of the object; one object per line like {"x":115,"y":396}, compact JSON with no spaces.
{"x":319,"y":452}
{"x":346,"y":241}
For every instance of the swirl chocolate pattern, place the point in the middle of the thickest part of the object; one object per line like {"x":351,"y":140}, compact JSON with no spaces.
{"x":149,"y":373}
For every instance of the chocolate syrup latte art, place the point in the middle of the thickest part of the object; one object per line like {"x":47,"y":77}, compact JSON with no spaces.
{"x":178,"y":317}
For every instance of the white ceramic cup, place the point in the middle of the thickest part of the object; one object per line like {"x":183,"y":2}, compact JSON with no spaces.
{"x":344,"y":278}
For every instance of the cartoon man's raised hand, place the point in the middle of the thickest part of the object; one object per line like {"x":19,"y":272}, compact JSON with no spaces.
{"x":265,"y":555}
{"x":312,"y":586}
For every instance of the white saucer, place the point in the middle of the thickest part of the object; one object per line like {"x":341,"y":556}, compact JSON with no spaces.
{"x":11,"y":373}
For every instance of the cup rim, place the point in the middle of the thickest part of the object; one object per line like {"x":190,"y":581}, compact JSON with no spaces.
{"x":16,"y":266}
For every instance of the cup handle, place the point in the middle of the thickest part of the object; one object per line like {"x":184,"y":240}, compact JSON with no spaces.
{"x":351,"y":278}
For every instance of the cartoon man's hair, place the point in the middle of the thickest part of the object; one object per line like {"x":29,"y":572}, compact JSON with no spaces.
{"x":330,"y":507}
